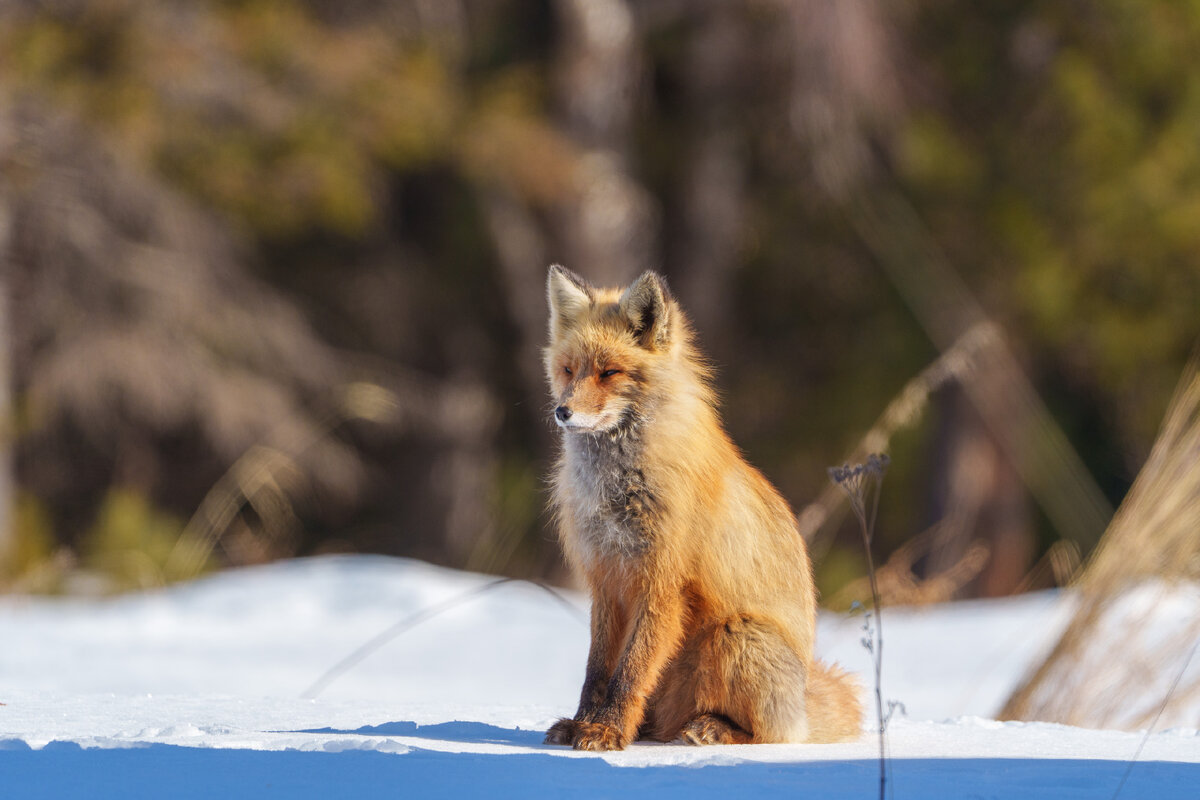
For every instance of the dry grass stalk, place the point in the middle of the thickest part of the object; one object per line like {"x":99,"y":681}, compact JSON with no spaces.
{"x":955,"y":364}
{"x":899,"y":584}
{"x":1111,"y":667}
{"x":265,"y":478}
{"x":1059,"y":566}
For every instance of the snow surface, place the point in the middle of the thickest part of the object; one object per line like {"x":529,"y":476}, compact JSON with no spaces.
{"x":196,"y":691}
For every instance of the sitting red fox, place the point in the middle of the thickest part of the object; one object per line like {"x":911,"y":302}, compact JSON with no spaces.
{"x":703,"y":606}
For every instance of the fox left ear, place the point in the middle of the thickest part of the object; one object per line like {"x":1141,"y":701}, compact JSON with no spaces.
{"x":646,"y":305}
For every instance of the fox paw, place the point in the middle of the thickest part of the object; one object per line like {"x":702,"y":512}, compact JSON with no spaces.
{"x":562,"y":732}
{"x":598,"y":736}
{"x":712,"y":729}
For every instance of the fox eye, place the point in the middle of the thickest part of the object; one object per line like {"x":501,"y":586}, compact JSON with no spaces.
{"x":608,"y":373}
{"x":568,"y":370}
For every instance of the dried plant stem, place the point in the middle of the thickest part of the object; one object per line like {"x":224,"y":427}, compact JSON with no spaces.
{"x":877,"y":651}
{"x":416,"y":618}
{"x":1151,"y":542}
{"x":955,"y":365}
{"x":999,"y":388}
{"x":862,"y":484}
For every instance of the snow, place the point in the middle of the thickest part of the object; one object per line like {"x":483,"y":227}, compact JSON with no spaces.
{"x":198,"y":691}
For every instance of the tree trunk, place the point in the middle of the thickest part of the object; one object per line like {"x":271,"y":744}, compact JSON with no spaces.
{"x":7,"y":423}
{"x":609,"y":229}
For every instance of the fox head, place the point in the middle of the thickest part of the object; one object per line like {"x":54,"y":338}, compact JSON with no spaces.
{"x":604,"y":344}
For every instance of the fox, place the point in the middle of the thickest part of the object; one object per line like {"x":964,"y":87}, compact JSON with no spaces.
{"x":703,"y":612}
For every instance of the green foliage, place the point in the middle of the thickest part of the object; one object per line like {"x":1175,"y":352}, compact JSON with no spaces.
{"x":517,"y":505}
{"x":131,"y":542}
{"x":291,"y":138}
{"x":28,"y":563}
{"x":128,"y":547}
{"x":838,"y":568}
{"x":1086,"y":230}
{"x":932,"y":156}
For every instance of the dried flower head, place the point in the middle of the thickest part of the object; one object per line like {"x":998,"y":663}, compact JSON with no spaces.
{"x":861,"y":483}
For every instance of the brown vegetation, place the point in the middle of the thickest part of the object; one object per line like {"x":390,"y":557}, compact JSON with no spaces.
{"x":272,"y":268}
{"x":1108,"y":669}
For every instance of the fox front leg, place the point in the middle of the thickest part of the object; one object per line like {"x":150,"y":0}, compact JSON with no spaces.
{"x":606,"y":628}
{"x":657,"y":631}
{"x":594,"y":696}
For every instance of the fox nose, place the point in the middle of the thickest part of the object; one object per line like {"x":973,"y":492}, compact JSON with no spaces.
{"x":562,"y":413}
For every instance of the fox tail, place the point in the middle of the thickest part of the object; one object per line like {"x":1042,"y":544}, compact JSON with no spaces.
{"x":833,"y":704}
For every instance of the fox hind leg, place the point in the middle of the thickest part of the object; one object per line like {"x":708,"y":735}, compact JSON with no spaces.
{"x":714,"y":729}
{"x":734,"y":682}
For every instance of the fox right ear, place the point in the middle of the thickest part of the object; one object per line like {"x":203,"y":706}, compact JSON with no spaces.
{"x":568,"y":295}
{"x":646,"y":305}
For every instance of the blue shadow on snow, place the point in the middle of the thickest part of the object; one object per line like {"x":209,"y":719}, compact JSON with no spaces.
{"x":65,"y":770}
{"x":472,"y":732}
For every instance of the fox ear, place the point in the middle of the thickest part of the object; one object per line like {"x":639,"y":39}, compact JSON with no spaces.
{"x":568,"y":295}
{"x":645,"y":304}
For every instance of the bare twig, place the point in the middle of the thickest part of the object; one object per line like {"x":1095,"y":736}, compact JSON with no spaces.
{"x":413,"y":620}
{"x":955,"y":365}
{"x":862,"y":484}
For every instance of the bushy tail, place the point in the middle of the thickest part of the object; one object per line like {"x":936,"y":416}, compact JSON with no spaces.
{"x":832,"y":699}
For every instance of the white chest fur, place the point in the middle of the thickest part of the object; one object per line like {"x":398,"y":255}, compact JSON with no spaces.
{"x":611,"y":502}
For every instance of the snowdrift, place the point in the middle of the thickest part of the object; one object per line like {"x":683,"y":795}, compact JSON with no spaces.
{"x":197,"y":691}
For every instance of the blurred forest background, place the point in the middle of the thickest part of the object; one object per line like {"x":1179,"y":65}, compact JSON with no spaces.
{"x":273,"y":270}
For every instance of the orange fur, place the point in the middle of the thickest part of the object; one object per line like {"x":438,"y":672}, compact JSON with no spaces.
{"x":703,"y":606}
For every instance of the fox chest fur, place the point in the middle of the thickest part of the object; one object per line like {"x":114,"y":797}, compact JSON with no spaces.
{"x":612,"y":503}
